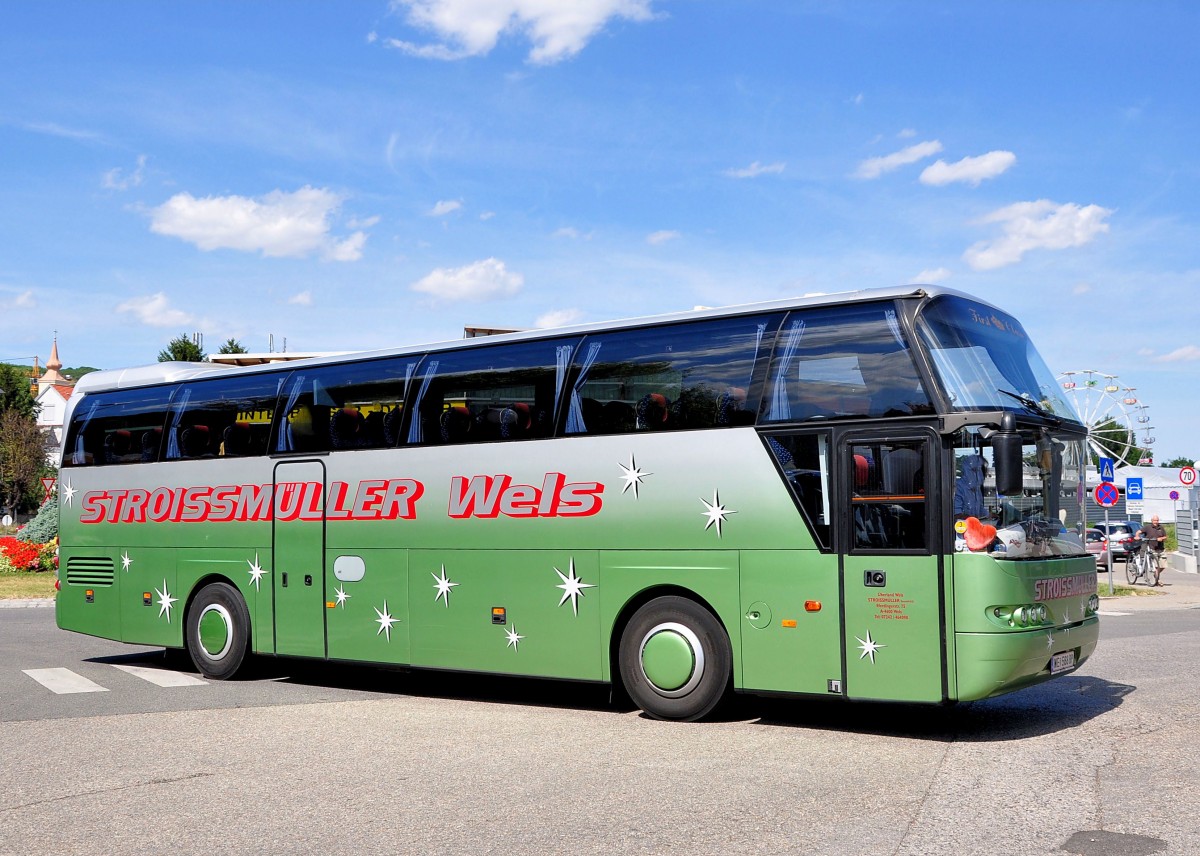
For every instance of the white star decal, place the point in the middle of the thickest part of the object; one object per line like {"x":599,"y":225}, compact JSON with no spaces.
{"x":716,"y":513}
{"x":512,"y":636}
{"x":443,"y":586}
{"x":1049,"y":640}
{"x":385,"y":622}
{"x":342,"y":597}
{"x":868,"y":647}
{"x":632,"y":476}
{"x":125,"y":561}
{"x":165,"y":602}
{"x":68,"y":492}
{"x":572,"y":587}
{"x":256,"y":571}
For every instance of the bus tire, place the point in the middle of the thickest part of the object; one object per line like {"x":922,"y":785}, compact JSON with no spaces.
{"x":218,"y":631}
{"x":675,"y":659}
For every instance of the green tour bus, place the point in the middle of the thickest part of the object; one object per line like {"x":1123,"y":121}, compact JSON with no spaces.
{"x":869,"y":495}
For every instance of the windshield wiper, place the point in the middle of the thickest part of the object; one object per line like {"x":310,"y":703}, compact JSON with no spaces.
{"x":1032,"y":405}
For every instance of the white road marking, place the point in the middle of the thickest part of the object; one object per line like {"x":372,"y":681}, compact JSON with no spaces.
{"x":162,"y":677}
{"x":64,"y":681}
{"x":1106,"y":612}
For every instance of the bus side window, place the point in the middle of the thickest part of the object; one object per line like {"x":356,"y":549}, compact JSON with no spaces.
{"x":688,"y":375}
{"x":888,"y":503}
{"x":222,"y":417}
{"x":119,"y":427}
{"x":804,"y":461}
{"x":491,"y":393}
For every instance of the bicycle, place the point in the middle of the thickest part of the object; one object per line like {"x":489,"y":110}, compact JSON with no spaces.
{"x":1141,"y":562}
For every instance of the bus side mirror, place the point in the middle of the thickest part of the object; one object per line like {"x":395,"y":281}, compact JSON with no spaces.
{"x":1006,"y":457}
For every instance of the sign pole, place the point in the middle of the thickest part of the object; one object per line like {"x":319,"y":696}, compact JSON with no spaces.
{"x":1108,"y":546}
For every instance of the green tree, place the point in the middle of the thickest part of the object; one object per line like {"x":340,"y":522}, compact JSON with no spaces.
{"x":182,"y":349}
{"x":15,"y":391}
{"x":1177,"y":463}
{"x":232,"y":346}
{"x":22,"y":460}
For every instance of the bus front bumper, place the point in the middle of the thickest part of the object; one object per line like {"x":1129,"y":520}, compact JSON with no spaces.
{"x":991,"y":664}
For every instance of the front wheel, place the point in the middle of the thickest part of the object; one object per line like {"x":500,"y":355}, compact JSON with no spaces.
{"x":218,"y":631}
{"x":675,"y":659}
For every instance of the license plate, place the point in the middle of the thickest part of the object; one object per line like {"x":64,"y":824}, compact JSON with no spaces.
{"x":1063,"y":662}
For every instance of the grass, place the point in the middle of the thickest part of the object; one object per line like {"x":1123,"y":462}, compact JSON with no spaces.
{"x":25,"y":585}
{"x":1125,"y":591}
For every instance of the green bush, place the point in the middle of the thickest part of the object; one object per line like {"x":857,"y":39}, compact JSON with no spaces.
{"x":44,"y":525}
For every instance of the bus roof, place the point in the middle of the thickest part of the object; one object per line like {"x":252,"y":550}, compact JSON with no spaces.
{"x":176,"y":372}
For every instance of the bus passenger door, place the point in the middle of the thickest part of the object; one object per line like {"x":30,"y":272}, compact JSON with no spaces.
{"x":298,"y":550}
{"x":892,"y":592}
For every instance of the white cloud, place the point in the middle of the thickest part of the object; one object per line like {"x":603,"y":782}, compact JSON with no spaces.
{"x":755,"y":170}
{"x":364,"y":223}
{"x":467,"y":28}
{"x":566,"y":232}
{"x":1036,"y":225}
{"x":483,"y":280}
{"x":24,"y":300}
{"x":875,"y":167}
{"x":155,"y":311}
{"x":304,"y":298}
{"x":278,"y":224}
{"x":558,"y":318}
{"x":1187,"y":353}
{"x":662,"y":237}
{"x":932,"y":276}
{"x":968,"y":170}
{"x":115,"y":179}
{"x":907,"y":134}
{"x":487,"y":215}
{"x":444,"y":207}
{"x":1081,"y":288}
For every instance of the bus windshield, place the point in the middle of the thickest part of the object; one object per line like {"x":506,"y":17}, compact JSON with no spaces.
{"x":984,"y":358}
{"x":1043,"y":519}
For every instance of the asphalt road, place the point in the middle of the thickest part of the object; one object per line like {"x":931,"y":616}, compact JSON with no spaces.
{"x":302,"y":759}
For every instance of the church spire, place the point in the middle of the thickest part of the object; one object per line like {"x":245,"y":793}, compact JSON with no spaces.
{"x":52,"y":377}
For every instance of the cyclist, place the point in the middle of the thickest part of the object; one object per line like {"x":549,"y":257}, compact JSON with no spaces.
{"x":1157,"y":536}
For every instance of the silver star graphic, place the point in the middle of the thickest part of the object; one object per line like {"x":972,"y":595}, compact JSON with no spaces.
{"x":868,"y":647}
{"x":125,"y":561}
{"x":68,"y":492}
{"x":385,"y":622}
{"x":632,"y":476}
{"x":165,"y":602}
{"x":1050,"y":640}
{"x":512,"y":636}
{"x":572,"y":587}
{"x":443,"y":586}
{"x":342,"y":597}
{"x":716,"y":513}
{"x":256,"y":571}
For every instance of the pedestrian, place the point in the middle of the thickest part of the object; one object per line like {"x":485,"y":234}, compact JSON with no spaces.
{"x":1157,"y":536}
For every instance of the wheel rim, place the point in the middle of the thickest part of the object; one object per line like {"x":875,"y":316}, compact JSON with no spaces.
{"x":671,"y":659}
{"x":215,"y":631}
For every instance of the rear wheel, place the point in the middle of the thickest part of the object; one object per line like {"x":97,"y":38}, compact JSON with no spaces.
{"x":675,"y":659}
{"x":1132,"y":564}
{"x":218,"y":631}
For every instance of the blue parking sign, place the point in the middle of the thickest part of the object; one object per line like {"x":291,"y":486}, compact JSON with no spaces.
{"x":1106,"y":469}
{"x":1133,"y":488}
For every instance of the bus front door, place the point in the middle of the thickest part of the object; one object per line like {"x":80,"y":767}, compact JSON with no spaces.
{"x":891,"y":573}
{"x":298,"y":536}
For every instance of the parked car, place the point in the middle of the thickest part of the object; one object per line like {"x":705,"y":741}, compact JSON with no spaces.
{"x":1119,"y":534}
{"x":1096,"y":543}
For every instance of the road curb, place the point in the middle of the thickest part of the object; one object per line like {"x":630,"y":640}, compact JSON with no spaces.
{"x":27,"y":603}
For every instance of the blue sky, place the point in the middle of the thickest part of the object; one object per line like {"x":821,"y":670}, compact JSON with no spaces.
{"x":361,"y":175}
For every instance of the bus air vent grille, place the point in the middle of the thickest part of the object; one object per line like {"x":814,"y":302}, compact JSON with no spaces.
{"x":89,"y":571}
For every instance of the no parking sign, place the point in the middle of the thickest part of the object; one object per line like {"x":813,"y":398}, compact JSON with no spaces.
{"x":1106,"y":494}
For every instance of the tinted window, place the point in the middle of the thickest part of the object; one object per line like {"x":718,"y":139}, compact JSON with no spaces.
{"x":887,"y":503}
{"x":694,"y":375}
{"x":223,"y":418}
{"x":843,"y":361}
{"x":123,"y":427}
{"x":503,"y":392}
{"x":352,"y":406}
{"x":804,"y":460}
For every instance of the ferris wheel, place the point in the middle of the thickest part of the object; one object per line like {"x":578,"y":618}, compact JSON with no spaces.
{"x":1118,"y":422}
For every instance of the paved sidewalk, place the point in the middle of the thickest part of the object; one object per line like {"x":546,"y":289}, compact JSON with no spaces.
{"x":1179,"y":590}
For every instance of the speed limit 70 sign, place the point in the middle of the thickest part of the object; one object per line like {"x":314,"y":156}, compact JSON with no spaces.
{"x":1188,"y":476}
